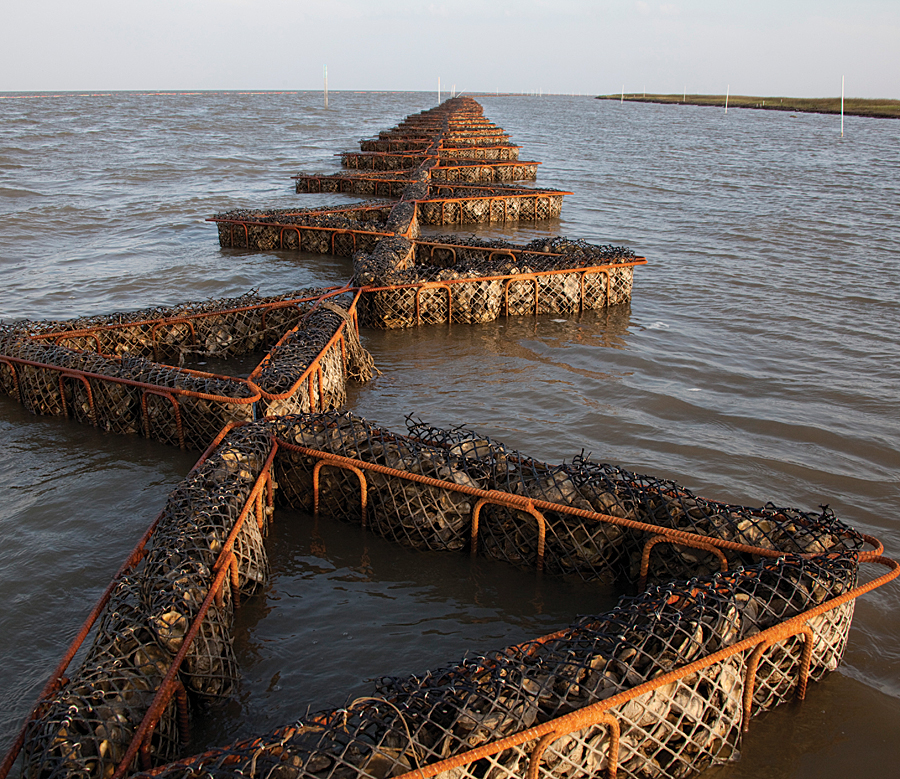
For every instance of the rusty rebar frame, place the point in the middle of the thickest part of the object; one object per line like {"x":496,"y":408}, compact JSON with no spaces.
{"x":57,"y":678}
{"x":509,"y":279}
{"x":247,"y":224}
{"x":226,"y":564}
{"x":226,"y":569}
{"x":315,"y":367}
{"x":461,"y":202}
{"x":535,"y":505}
{"x":146,"y":389}
{"x":59,"y":336}
{"x":599,"y":714}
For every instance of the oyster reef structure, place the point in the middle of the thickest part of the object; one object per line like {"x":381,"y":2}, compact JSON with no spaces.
{"x":737,"y":607}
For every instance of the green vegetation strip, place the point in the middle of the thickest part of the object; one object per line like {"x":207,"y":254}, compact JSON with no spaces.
{"x":853,"y":106}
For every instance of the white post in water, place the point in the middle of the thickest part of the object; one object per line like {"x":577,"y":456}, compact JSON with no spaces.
{"x":326,"y":86}
{"x":842,"y":106}
{"x":439,"y":90}
{"x":623,"y":94}
{"x":727,"y":90}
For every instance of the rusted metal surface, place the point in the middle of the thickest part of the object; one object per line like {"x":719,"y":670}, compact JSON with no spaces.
{"x":598,"y":713}
{"x":236,"y":407}
{"x":310,"y":380}
{"x":534,"y":506}
{"x":58,"y":675}
{"x":473,"y":171}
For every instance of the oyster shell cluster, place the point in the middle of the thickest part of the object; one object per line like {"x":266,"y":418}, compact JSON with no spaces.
{"x":494,"y":290}
{"x":675,"y":730}
{"x":264,"y":230}
{"x":223,"y":328}
{"x":278,"y":375}
{"x":88,"y":724}
{"x":428,"y":517}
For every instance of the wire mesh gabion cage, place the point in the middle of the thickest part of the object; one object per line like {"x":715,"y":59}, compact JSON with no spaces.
{"x":487,"y":715}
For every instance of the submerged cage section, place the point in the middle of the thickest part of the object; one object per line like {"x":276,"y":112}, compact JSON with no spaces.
{"x":447,"y":280}
{"x":226,"y":327}
{"x":94,"y":370}
{"x":471,"y":172}
{"x":663,"y":685}
{"x":449,"y":204}
{"x":606,"y":696}
{"x":329,"y":230}
{"x":369,"y":184}
{"x":446,"y":490}
{"x":123,"y":395}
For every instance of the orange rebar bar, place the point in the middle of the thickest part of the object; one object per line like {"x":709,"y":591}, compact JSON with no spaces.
{"x":596,"y":713}
{"x":645,"y":556}
{"x":56,"y":679}
{"x":224,"y":569}
{"x":315,"y":365}
{"x":523,"y":503}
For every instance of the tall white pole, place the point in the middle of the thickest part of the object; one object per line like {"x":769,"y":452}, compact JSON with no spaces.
{"x":842,"y":106}
{"x":727,"y":90}
{"x":623,"y":94}
{"x":439,"y":90}
{"x":326,"y":86}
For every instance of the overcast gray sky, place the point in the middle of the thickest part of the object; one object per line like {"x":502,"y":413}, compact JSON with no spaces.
{"x":758,"y":47}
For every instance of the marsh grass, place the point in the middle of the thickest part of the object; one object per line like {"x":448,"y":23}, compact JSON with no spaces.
{"x":822,"y":105}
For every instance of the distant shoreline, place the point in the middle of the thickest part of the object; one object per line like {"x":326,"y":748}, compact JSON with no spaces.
{"x":855,"y":106}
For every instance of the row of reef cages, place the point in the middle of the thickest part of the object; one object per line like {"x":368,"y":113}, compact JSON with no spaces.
{"x":316,"y":229}
{"x":726,"y":611}
{"x":736,"y":608}
{"x":393,"y":183}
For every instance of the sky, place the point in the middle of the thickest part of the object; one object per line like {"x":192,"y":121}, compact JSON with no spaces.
{"x":797,"y":48}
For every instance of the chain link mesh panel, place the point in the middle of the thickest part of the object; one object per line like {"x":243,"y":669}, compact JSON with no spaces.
{"x":58,"y":386}
{"x":327,"y":339}
{"x":674,"y":730}
{"x":326,"y":230}
{"x":507,"y":279}
{"x":180,"y":563}
{"x":424,"y":516}
{"x":460,"y":171}
{"x":224,"y":327}
{"x":85,"y":728}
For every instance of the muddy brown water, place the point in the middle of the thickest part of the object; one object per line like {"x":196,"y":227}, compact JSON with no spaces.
{"x":758,"y":361}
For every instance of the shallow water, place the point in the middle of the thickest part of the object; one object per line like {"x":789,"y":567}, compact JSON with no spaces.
{"x":757,"y":361}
